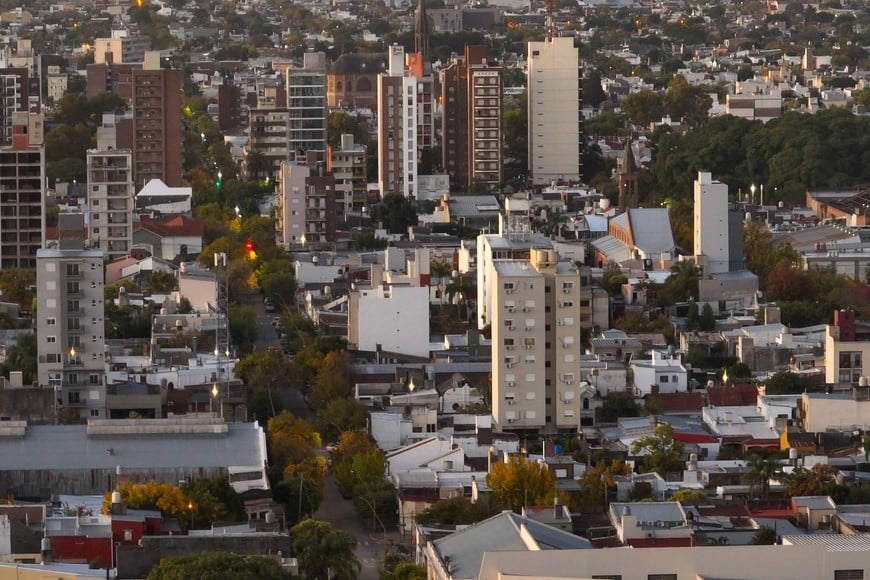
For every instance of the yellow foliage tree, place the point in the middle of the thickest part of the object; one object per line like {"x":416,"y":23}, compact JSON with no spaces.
{"x":520,"y":482}
{"x":166,"y":498}
{"x":291,"y":440}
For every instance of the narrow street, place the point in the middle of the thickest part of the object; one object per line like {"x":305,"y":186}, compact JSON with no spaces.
{"x":342,"y":514}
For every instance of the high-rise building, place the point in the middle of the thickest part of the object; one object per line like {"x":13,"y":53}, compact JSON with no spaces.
{"x":109,"y":209}
{"x":306,"y":102}
{"x":405,"y":121}
{"x":70,"y":324}
{"x":157,"y":131}
{"x":711,"y":224}
{"x":22,"y":193}
{"x":471,"y":132}
{"x":347,"y":164}
{"x":554,"y":85}
{"x":267,"y":145}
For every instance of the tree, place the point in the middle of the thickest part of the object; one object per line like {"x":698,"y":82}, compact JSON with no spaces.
{"x":266,"y":376}
{"x":688,"y":496}
{"x":439,"y":270}
{"x":761,"y":470}
{"x":333,"y":380}
{"x":662,"y":454}
{"x":340,"y":415}
{"x":785,"y":383}
{"x":681,"y":285}
{"x":166,"y":498}
{"x":811,"y":481}
{"x":338,"y":124}
{"x":324,"y":552}
{"x":214,"y":499}
{"x":395,"y":213}
{"x":22,"y":356}
{"x":763,"y":536}
{"x":458,"y":511}
{"x":519,"y":482}
{"x":291,"y":440}
{"x":218,"y":565}
{"x":396,"y":568}
{"x":598,"y":479}
{"x":243,"y":326}
{"x":706,"y":321}
{"x":617,"y":404}
{"x":644,"y":107}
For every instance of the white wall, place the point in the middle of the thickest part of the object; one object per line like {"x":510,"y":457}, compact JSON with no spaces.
{"x":397,"y":318}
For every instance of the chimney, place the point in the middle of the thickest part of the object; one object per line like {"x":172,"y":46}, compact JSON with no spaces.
{"x":845,"y":321}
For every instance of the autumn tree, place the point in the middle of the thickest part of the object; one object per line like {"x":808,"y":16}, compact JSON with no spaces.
{"x":598,"y":480}
{"x":340,"y":415}
{"x":660,"y":452}
{"x":333,"y":379}
{"x":518,"y":482}
{"x":291,"y":440}
{"x":812,"y":481}
{"x":164,"y":497}
{"x":459,"y":511}
{"x":266,"y":376}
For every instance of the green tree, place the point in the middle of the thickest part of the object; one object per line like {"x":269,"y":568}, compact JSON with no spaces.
{"x":243,"y":326}
{"x":216,"y":491}
{"x":338,"y":124}
{"x":689,"y":496}
{"x":440,"y":271}
{"x":518,"y":482}
{"x":267,"y":376}
{"x":760,"y":471}
{"x":340,"y":415}
{"x":785,"y":383}
{"x":22,"y":356}
{"x":681,"y":285}
{"x":333,"y":380}
{"x":644,"y":107}
{"x":395,"y":568}
{"x":617,"y":404}
{"x":814,"y":481}
{"x":763,"y":536}
{"x":17,"y":285}
{"x":598,"y":480}
{"x":707,"y":322}
{"x":324,"y":552}
{"x":459,"y":511}
{"x":395,"y":213}
{"x":687,"y":102}
{"x":662,"y":454}
{"x":218,"y":565}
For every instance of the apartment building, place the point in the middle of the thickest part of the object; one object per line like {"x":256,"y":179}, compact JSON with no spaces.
{"x":121,"y":47}
{"x":348,"y":164}
{"x":554,"y":88}
{"x":405,"y":121}
{"x":156,"y":123}
{"x":109,"y":206}
{"x":471,"y":119}
{"x":306,"y":102}
{"x":70,"y":323}
{"x":22,"y":193}
{"x":307,"y":210}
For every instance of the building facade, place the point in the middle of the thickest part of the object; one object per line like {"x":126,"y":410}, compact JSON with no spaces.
{"x":348,"y":165}
{"x":306,"y":103}
{"x":22,"y":193}
{"x":70,"y":324}
{"x":157,"y":131}
{"x":554,"y":85}
{"x":110,"y":201}
{"x":471,"y":119}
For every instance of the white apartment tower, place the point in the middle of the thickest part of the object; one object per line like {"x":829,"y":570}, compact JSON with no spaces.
{"x":554,"y":83}
{"x":70,"y":325}
{"x":109,"y":209}
{"x":711,"y":224}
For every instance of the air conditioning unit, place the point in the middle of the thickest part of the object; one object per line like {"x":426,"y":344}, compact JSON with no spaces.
{"x":509,"y":291}
{"x":566,"y":291}
{"x":526,"y":309}
{"x":529,"y":328}
{"x":509,"y":365}
{"x":560,"y":323}
{"x":511,"y":420}
{"x":510,"y":383}
{"x":511,"y":402}
{"x":510,"y":308}
{"x":528,"y":347}
{"x":569,"y":382}
{"x":510,"y":347}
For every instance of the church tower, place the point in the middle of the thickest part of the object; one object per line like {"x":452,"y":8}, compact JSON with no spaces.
{"x":421,"y":30}
{"x":628,"y":194}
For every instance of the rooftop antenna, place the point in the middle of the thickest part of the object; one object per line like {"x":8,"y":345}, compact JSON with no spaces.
{"x":550,"y":21}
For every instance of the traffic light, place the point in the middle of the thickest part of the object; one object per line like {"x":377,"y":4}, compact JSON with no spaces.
{"x":217,"y":183}
{"x":249,"y":246}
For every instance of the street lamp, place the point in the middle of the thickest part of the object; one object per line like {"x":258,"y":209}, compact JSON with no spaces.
{"x":213,"y":399}
{"x":190,"y":509}
{"x":752,"y":189}
{"x":238,"y":212}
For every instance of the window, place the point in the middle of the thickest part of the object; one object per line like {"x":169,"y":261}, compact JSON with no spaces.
{"x":849,"y":574}
{"x":509,"y":323}
{"x":94,"y":379}
{"x":663,"y":378}
{"x":530,"y":396}
{"x":606,"y":576}
{"x":51,"y":339}
{"x":50,"y":321}
{"x":661,"y":577}
{"x":95,"y":412}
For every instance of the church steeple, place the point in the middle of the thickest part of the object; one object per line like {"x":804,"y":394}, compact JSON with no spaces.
{"x":421,"y":30}
{"x":628,"y":194}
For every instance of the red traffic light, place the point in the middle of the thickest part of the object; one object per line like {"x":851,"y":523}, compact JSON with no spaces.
{"x":249,"y":246}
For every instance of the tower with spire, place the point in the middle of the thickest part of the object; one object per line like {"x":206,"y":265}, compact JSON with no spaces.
{"x":628,"y":194}
{"x":421,"y":30}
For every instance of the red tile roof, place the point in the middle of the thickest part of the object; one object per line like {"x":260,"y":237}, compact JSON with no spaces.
{"x":733,"y":395}
{"x":171,"y":225}
{"x":660,"y":542}
{"x":679,"y":402}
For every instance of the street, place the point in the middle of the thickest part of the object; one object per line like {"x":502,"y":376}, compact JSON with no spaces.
{"x":341,"y":513}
